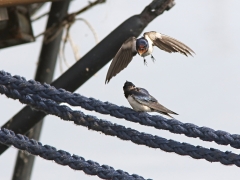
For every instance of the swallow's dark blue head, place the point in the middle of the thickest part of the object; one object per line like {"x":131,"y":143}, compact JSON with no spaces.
{"x":141,"y":45}
{"x":128,"y":86}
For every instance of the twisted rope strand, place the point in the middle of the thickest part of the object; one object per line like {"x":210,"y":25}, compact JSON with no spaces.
{"x":64,"y":158}
{"x":60,"y":95}
{"x":106,"y":127}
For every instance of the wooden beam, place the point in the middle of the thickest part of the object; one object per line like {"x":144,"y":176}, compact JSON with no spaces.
{"x":7,"y":3}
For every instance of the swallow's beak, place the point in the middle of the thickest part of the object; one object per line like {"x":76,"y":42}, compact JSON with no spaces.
{"x":141,"y":51}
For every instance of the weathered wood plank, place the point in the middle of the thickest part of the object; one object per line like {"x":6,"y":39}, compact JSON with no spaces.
{"x":7,"y":3}
{"x":3,"y":14}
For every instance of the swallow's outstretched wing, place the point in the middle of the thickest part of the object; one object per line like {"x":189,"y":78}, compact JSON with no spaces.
{"x":143,"y":97}
{"x":122,"y":58}
{"x":167,"y":43}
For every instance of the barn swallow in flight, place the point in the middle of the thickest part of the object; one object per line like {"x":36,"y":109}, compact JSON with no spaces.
{"x":142,"y":101}
{"x":144,"y":47}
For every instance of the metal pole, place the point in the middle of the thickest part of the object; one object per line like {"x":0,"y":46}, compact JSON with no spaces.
{"x":94,"y":60}
{"x":44,"y":73}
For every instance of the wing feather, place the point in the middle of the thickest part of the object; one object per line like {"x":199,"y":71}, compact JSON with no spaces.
{"x":122,"y":58}
{"x":143,"y":97}
{"x":168,"y":43}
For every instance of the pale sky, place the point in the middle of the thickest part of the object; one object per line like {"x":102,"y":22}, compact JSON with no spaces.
{"x":203,"y":90}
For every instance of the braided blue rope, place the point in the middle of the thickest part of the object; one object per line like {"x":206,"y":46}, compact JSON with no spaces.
{"x":60,"y":95}
{"x":106,"y":127}
{"x":61,"y":157}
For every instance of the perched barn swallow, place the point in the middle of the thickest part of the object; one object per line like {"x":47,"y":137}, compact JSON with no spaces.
{"x":141,"y":100}
{"x":144,"y":47}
